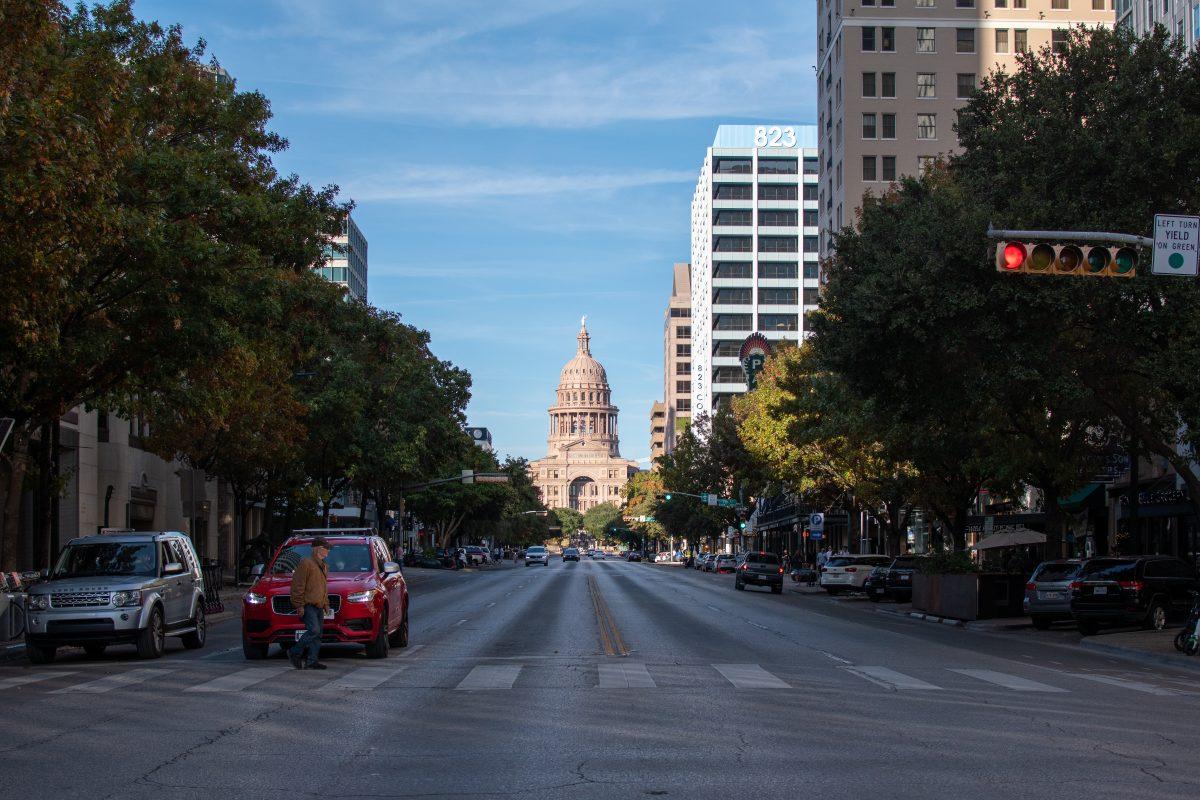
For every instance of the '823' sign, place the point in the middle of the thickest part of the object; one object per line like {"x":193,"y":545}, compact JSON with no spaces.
{"x":774,"y":136}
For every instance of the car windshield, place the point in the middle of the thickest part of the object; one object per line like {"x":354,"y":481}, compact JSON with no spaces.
{"x":904,"y":563}
{"x":536,"y":550}
{"x":763,"y":558}
{"x":839,"y":562}
{"x":354,"y":558}
{"x":726,"y":558}
{"x":1108,"y":569}
{"x":108,"y":558}
{"x":572,"y":551}
{"x":1056,"y":572}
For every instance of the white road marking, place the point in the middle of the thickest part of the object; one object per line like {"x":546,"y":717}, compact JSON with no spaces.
{"x":491,"y":676}
{"x":489,"y":605}
{"x":889,"y":678}
{"x":408,"y":651}
{"x":220,"y":653}
{"x":107,"y":684}
{"x":835,"y":658}
{"x":713,"y":608}
{"x":1007,"y":681}
{"x":1136,"y":686}
{"x":22,"y":680}
{"x":364,"y":678}
{"x":460,"y":622}
{"x":749,"y":676}
{"x":236,"y":681}
{"x":624,"y":675}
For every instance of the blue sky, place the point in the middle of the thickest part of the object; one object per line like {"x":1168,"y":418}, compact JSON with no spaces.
{"x":517,"y":164}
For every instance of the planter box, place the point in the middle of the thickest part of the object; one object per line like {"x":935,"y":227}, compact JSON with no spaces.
{"x":983,"y":595}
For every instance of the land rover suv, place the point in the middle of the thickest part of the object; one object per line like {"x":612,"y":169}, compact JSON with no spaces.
{"x":123,"y":588}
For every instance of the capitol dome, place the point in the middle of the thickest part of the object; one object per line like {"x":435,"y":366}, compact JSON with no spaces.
{"x":583,"y":371}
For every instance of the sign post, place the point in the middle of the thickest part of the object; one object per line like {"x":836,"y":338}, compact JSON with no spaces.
{"x":1175,"y":245}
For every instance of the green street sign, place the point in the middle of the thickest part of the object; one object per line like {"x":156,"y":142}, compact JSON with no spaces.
{"x":723,"y":503}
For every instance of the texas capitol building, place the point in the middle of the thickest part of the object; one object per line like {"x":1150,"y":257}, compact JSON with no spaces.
{"x":583,"y":465}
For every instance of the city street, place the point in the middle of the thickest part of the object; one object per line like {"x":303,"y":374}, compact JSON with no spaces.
{"x":609,"y":679}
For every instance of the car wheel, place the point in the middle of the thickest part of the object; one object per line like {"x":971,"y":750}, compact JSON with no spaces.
{"x":1156,"y":620}
{"x":1181,"y":640}
{"x":741,"y":587}
{"x":1041,"y":623}
{"x":152,"y":639}
{"x":1089,"y":628}
{"x":379,"y":647}
{"x":400,"y":637}
{"x":195,"y":640}
{"x":40,"y":655}
{"x":95,"y":649}
{"x":252,"y":651}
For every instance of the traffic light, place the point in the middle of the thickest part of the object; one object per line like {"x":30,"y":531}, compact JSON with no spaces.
{"x":742,"y":524}
{"x":667,"y":496}
{"x":1043,"y":258}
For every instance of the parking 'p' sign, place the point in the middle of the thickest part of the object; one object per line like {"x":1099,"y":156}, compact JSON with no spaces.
{"x":816,"y":522}
{"x":1176,"y":239}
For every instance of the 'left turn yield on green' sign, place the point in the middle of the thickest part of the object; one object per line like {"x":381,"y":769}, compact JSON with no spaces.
{"x":1176,"y":239}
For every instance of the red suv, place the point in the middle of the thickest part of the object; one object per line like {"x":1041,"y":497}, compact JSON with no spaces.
{"x":368,"y":598}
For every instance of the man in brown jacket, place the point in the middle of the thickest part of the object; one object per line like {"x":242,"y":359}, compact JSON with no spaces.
{"x":310,"y":596}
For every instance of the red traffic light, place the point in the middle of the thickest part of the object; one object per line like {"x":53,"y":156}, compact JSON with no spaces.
{"x":1066,"y":259}
{"x":1013,"y":255}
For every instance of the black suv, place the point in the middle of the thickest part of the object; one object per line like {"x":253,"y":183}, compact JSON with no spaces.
{"x":760,"y":569}
{"x":1132,"y":590}
{"x":893,"y":581}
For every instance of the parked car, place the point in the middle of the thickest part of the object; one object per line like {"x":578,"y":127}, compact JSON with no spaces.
{"x":710,"y":563}
{"x":570,"y":554}
{"x":537,"y":555}
{"x":476,"y":554}
{"x":1135,"y":590}
{"x":127,"y":588}
{"x":897,"y":582}
{"x":597,"y":555}
{"x":368,"y":597}
{"x":1048,"y":593}
{"x":726,"y":562}
{"x":849,"y":573}
{"x":634,"y":555}
{"x":873,"y":586}
{"x":760,"y":569}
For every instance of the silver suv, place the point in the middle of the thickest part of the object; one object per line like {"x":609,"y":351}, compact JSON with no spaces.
{"x":124,"y":588}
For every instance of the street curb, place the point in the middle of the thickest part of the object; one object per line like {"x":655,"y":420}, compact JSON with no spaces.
{"x":954,"y":623}
{"x":1140,"y":657}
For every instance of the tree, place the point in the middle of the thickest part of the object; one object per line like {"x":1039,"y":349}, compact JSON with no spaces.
{"x":641,"y":495}
{"x":598,"y":518}
{"x":569,"y":519}
{"x":693,"y":468}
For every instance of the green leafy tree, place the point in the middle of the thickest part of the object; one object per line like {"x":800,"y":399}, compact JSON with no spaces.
{"x":598,"y":518}
{"x":568,"y":519}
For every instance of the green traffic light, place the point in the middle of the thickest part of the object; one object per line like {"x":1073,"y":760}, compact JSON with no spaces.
{"x":1126,"y":260}
{"x":742,"y":525}
{"x":1098,"y":258}
{"x":668,"y":495}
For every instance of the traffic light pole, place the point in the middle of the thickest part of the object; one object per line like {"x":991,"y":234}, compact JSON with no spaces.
{"x":1076,"y":236}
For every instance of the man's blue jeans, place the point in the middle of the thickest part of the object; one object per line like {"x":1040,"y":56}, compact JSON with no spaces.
{"x":308,"y":646}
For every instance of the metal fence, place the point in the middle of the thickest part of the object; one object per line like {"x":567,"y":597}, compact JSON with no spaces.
{"x":214,"y":582}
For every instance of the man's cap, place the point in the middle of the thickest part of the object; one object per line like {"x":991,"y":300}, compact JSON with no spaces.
{"x":320,"y":542}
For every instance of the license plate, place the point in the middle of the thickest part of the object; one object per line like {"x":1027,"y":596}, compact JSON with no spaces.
{"x":1051,"y":595}
{"x":298,"y":635}
{"x":329,"y":613}
{"x":1100,"y":590}
{"x":905,"y":577}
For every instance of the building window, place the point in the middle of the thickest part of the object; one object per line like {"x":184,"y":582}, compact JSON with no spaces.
{"x":868,"y":173}
{"x":924,"y":163}
{"x":683,"y":387}
{"x":777,"y":166}
{"x":1001,"y":3}
{"x":1001,"y":40}
{"x":777,"y":244}
{"x":926,"y":41}
{"x":889,"y":126}
{"x":731,"y":166}
{"x":926,"y":126}
{"x":966,"y":84}
{"x":965,"y":40}
{"x":1064,"y":5}
{"x":777,"y":191}
{"x":731,"y":297}
{"x":732,"y":269}
{"x":681,"y":313}
{"x":887,"y":3}
{"x":1058,"y":41}
{"x":868,"y":40}
{"x":811,"y":165}
{"x":888,"y":168}
{"x":683,"y":404}
{"x":778,"y":322}
{"x":964,"y":3}
{"x":777,"y":270}
{"x":838,"y":174}
{"x":811,"y":270}
{"x":724,"y":348}
{"x":731,"y":217}
{"x":926,"y":85}
{"x":683,"y":332}
{"x":683,"y":368}
{"x":1098,"y":5}
{"x":888,"y":85}
{"x":683,"y":350}
{"x":887,"y":40}
{"x":868,"y":127}
{"x":868,"y":84}
{"x":778,"y":219}
{"x":729,"y":375}
{"x":777,"y":297}
{"x":731,"y":322}
{"x":810,"y":244}
{"x":1020,"y":40}
{"x":810,"y":192}
{"x":810,"y":218}
{"x":925,"y":4}
{"x":731,"y":244}
{"x":733,"y":191}
{"x":811,"y":296}
{"x":1019,"y":3}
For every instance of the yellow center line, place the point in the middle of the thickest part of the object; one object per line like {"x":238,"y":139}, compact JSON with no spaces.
{"x":610,"y":635}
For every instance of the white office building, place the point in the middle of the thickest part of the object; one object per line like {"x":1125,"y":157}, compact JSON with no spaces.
{"x":346,"y":264}
{"x":754,"y":249}
{"x":1180,"y":17}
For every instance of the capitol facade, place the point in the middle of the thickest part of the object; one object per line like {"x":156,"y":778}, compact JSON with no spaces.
{"x":583,"y":465}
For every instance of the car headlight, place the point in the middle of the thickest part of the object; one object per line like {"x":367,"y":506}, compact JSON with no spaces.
{"x":38,"y":602}
{"x":255,"y":599}
{"x":122,"y":599}
{"x":359,"y":597}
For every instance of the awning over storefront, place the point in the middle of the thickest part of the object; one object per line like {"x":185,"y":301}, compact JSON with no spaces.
{"x":1013,"y":538}
{"x":1090,"y":496}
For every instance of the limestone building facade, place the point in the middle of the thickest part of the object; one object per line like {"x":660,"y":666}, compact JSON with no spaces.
{"x":583,"y":465}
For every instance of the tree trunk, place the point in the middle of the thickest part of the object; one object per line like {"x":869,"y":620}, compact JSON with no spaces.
{"x":1055,"y":521}
{"x":10,"y":524}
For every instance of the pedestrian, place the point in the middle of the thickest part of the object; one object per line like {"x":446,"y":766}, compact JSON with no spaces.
{"x":310,"y":594}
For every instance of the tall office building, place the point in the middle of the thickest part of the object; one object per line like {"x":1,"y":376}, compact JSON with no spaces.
{"x":346,"y":265}
{"x":754,"y":250}
{"x":892,"y":74}
{"x":677,"y":356}
{"x":1180,"y":17}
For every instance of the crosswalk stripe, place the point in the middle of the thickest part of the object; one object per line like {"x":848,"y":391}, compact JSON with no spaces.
{"x":491,"y":676}
{"x":236,"y":681}
{"x":749,"y":676}
{"x":107,"y":684}
{"x":1007,"y":681}
{"x":889,"y":678}
{"x":364,"y":678}
{"x":624,"y":675}
{"x":22,"y":680}
{"x":1137,"y":686}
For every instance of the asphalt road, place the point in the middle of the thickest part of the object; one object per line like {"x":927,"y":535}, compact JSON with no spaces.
{"x":610,"y":680}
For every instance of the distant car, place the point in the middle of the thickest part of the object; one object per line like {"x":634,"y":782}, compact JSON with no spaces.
{"x":698,"y":562}
{"x":571,"y":554}
{"x":710,"y":561}
{"x":634,"y":555}
{"x":597,"y":555}
{"x":897,"y":582}
{"x":537,"y":555}
{"x":476,"y":555}
{"x":849,"y":573}
{"x":725,"y":563}
{"x":1048,"y":593}
{"x":760,"y":569}
{"x":1135,"y":590}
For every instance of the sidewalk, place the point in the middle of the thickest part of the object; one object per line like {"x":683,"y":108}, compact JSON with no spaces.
{"x":1145,"y":647}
